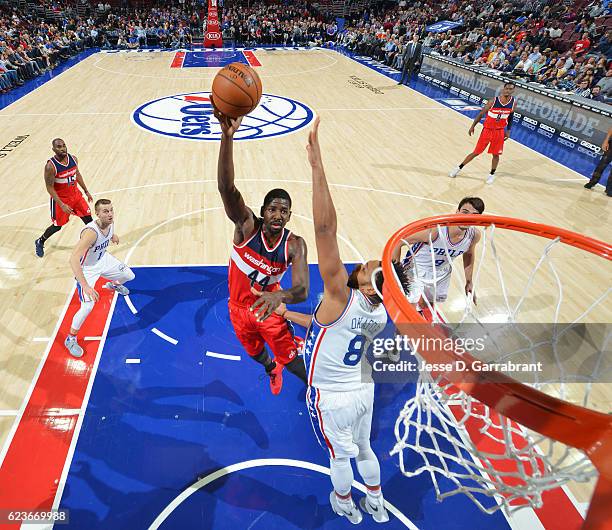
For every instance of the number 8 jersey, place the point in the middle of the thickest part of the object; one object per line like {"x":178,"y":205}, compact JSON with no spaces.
{"x":254,"y":264}
{"x":333,"y":352}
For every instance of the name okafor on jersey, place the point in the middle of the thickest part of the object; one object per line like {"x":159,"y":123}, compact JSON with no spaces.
{"x":333,"y":352}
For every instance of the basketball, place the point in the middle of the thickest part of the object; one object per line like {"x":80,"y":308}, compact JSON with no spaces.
{"x":236,"y":90}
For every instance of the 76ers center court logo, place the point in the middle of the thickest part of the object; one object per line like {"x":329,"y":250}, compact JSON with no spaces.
{"x":190,"y":116}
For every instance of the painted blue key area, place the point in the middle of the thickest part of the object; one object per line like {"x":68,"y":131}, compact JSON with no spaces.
{"x":153,"y":429}
{"x":213,"y":59}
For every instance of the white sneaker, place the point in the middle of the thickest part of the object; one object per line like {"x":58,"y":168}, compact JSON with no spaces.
{"x":454,"y":172}
{"x":375,"y":507}
{"x":350,"y":511}
{"x":73,"y":347}
{"x":490,"y":179}
{"x":121,"y":289}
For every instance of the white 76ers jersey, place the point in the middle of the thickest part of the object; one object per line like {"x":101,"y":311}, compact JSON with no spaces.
{"x":98,"y":249}
{"x":420,"y":262}
{"x":333,"y":352}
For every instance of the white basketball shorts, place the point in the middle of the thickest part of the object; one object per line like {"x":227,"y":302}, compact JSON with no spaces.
{"x":108,"y":267}
{"x":341,"y":419}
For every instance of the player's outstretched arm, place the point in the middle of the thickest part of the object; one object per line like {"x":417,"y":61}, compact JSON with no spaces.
{"x":81,"y":181}
{"x":332,"y":269}
{"x":301,"y":319}
{"x":423,"y":236}
{"x":469,"y":259}
{"x":479,"y":116}
{"x":88,"y":238}
{"x":235,"y":207}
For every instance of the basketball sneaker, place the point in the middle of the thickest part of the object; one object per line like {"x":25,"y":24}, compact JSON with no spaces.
{"x":490,"y":179}
{"x":73,"y":346}
{"x":375,"y":507}
{"x":276,"y":379}
{"x":454,"y":172}
{"x":39,"y":248}
{"x":345,"y":509}
{"x":121,"y":289}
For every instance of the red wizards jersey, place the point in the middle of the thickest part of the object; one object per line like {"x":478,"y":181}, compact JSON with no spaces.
{"x":497,"y":117}
{"x":65,"y":176}
{"x":254,"y":263}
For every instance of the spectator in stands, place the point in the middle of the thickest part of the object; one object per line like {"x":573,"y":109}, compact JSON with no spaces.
{"x":583,"y":89}
{"x":604,"y":46}
{"x":606,"y":85}
{"x":596,"y":94}
{"x":582,"y":45}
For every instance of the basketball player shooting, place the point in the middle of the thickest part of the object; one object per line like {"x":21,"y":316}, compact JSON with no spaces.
{"x":496,"y":130}
{"x":446,"y":243}
{"x":349,"y":315}
{"x":262,"y":251}
{"x":61,"y":178}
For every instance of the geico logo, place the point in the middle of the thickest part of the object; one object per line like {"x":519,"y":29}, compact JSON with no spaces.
{"x":545,"y":133}
{"x":530,"y":126}
{"x":569,"y":136}
{"x":565,"y":142}
{"x":213,"y":35}
{"x":518,"y":116}
{"x":587,"y":152}
{"x":454,"y":89}
{"x":547,"y":127}
{"x":464,"y":93}
{"x":530,"y":120}
{"x":590,"y":146}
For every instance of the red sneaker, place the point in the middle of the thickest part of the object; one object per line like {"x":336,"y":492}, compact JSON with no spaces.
{"x":276,"y":379}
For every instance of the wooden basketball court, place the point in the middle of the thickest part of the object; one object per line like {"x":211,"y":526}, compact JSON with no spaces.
{"x":387,"y":154}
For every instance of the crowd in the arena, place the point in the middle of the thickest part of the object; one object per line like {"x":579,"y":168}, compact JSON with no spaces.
{"x":535,"y":40}
{"x":564,"y":45}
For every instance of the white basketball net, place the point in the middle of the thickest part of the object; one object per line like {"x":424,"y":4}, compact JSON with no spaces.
{"x":515,"y":466}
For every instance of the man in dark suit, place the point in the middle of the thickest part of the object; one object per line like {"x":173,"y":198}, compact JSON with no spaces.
{"x":412,"y":55}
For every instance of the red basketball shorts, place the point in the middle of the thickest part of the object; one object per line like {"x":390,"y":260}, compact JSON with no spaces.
{"x":494,"y":138}
{"x":76,"y":201}
{"x":275,"y":331}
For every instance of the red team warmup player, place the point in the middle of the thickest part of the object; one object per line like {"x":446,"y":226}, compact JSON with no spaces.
{"x":496,"y":129}
{"x":262,"y":251}
{"x":61,"y":178}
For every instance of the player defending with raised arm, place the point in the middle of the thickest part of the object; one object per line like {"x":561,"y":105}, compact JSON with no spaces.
{"x":349,"y":315}
{"x":496,"y":129}
{"x":447,"y":243}
{"x":262,"y":251}
{"x":89,"y":261}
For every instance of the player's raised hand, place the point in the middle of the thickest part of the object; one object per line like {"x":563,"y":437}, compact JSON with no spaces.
{"x":115,"y":239}
{"x":313,"y":148}
{"x":266,"y":303}
{"x":67,"y":209}
{"x":91,"y":293}
{"x":228,"y":125}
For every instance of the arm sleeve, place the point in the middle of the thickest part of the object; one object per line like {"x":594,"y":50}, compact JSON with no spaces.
{"x":510,"y":120}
